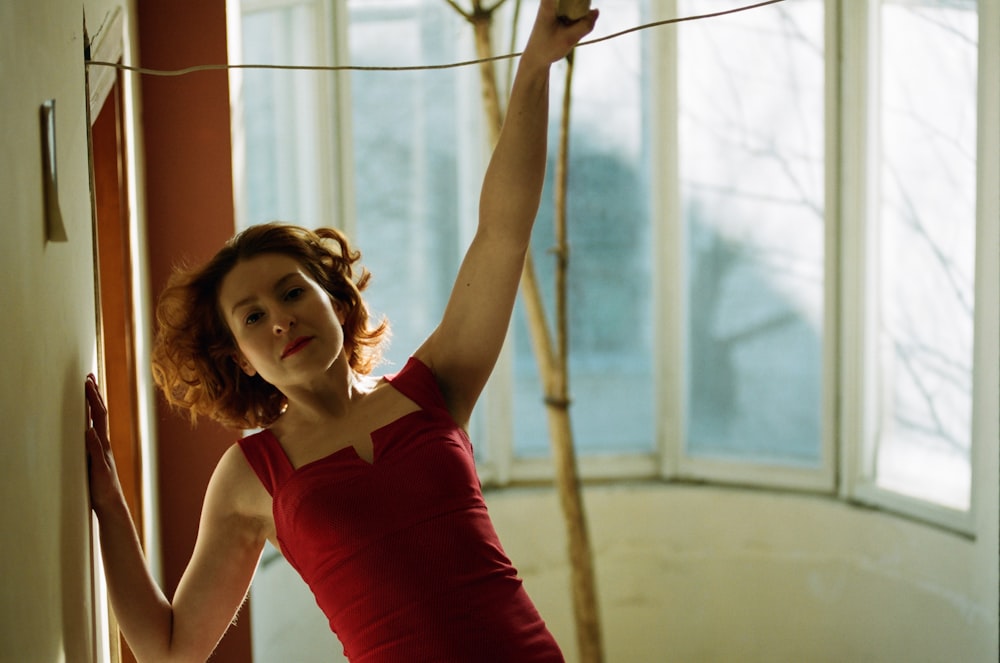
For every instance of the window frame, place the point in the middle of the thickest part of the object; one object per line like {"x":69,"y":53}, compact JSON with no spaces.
{"x":858,"y":181}
{"x":335,"y":200}
{"x":669,"y":289}
{"x":504,"y":467}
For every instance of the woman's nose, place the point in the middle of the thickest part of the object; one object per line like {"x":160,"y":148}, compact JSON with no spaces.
{"x":283,"y":323}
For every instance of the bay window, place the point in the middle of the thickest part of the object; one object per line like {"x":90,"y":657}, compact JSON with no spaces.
{"x":773,"y":222}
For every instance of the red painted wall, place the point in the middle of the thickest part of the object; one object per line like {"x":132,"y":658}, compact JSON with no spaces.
{"x":189,"y":212}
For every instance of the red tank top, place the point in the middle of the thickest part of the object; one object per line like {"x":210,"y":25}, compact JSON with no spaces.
{"x":401,"y":554}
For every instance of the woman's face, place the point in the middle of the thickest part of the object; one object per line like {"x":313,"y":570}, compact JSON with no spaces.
{"x":287,"y":327}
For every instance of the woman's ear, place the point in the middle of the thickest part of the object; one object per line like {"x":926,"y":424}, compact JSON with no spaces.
{"x":244,"y":365}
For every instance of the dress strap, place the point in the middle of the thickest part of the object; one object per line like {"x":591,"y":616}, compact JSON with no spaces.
{"x":417,"y":382}
{"x":268,"y":459}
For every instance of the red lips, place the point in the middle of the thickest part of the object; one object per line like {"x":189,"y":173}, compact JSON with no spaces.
{"x":295,"y":345}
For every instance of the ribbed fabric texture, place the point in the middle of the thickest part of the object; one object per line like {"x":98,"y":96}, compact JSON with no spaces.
{"x":400,"y":553}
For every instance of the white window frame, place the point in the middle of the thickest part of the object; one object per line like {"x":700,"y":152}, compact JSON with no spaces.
{"x":333,"y":193}
{"x":858,"y":200}
{"x":669,"y":290}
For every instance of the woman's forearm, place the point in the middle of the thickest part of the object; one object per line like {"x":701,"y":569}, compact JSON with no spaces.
{"x":512,"y":187}
{"x":142,"y":611}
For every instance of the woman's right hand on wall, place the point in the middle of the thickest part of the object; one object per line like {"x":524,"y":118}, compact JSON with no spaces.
{"x":103,"y":476}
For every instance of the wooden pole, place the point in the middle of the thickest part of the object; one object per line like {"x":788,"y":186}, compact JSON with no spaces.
{"x":552,"y":356}
{"x":557,"y":400}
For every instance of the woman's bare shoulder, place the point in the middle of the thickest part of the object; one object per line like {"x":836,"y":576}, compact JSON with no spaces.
{"x":236,"y":489}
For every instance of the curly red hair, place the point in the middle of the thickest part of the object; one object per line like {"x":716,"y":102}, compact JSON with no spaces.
{"x":194,"y":350}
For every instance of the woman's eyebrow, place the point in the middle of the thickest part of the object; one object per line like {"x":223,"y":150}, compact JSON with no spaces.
{"x":278,"y":285}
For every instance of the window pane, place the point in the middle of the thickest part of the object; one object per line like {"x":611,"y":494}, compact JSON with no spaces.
{"x":926,"y":247}
{"x":610,"y":268}
{"x":416,"y":159}
{"x":280,"y":117}
{"x":751,"y":163}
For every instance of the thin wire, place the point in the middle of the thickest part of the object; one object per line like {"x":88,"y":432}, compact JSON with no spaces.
{"x":681,"y":19}
{"x":465,"y":63}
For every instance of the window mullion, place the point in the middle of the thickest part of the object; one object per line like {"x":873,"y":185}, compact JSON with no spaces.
{"x":986,"y":348}
{"x":858,"y":94}
{"x":879,"y":419}
{"x":668,"y":240}
{"x":831,"y":388}
{"x":337,"y":164}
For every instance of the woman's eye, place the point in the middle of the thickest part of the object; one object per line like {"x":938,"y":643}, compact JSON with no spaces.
{"x":294,"y":293}
{"x":252,"y":318}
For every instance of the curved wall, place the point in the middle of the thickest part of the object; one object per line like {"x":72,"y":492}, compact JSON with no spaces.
{"x":711,"y":574}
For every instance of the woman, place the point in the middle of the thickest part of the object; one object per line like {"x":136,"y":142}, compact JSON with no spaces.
{"x":367,"y":486}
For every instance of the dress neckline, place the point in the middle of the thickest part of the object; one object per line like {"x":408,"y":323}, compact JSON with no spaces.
{"x":349,"y":452}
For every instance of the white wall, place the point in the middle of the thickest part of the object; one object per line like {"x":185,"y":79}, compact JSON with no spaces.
{"x":710,"y":574}
{"x":703,"y":574}
{"x":48,"y":339}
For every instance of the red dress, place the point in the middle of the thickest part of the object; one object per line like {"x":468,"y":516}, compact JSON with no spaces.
{"x":401,"y":554}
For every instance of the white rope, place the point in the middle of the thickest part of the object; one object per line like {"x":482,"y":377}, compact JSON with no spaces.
{"x":350,"y":67}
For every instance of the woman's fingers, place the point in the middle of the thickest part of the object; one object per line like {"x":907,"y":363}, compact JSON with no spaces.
{"x":102,"y":474}
{"x":552,"y":37}
{"x":97,"y":411}
{"x":572,"y":10}
{"x":95,"y":447}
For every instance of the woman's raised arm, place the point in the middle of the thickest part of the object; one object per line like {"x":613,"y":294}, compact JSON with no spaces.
{"x":463,"y":349}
